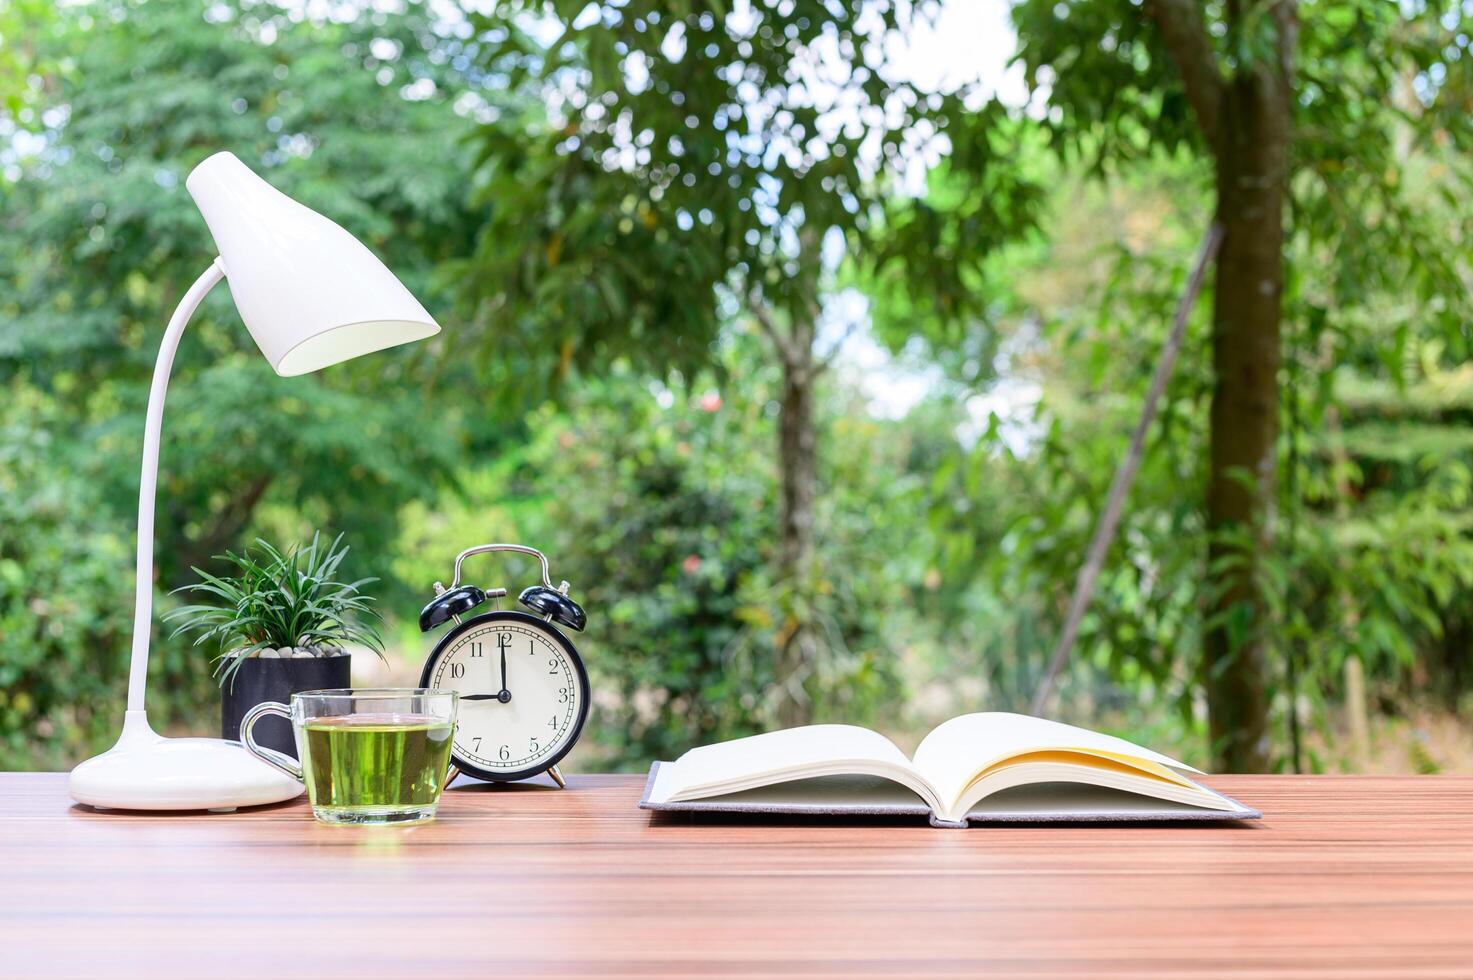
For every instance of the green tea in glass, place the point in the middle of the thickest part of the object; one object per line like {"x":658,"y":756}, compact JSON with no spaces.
{"x":368,"y":755}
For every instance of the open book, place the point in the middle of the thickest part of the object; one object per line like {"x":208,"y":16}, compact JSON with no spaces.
{"x":992,"y":766}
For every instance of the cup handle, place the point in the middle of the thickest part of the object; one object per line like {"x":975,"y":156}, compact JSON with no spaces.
{"x":269,"y":756}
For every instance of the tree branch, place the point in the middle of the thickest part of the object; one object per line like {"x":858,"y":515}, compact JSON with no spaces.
{"x":1286,"y":19}
{"x":1104,"y":533}
{"x":232,"y":519}
{"x":1191,"y":51}
{"x":763,"y":315}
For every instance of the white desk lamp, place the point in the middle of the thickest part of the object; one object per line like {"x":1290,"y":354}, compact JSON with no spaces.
{"x":311,"y":295}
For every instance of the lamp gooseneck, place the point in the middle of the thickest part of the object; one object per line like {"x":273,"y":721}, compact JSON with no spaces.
{"x":143,"y":770}
{"x":148,"y":481}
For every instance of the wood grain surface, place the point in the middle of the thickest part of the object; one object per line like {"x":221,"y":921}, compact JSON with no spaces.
{"x":1344,"y":877}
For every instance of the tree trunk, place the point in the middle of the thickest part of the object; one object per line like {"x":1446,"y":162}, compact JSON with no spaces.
{"x":798,"y":466}
{"x":1251,"y":172}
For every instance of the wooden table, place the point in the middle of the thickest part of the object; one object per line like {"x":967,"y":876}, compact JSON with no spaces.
{"x":1344,"y":877}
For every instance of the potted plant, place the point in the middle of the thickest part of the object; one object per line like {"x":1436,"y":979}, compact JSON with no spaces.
{"x":282,"y":621}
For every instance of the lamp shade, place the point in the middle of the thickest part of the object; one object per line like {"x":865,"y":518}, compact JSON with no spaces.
{"x":310,"y":293}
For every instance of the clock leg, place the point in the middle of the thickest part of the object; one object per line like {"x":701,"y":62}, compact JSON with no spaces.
{"x":557,"y":777}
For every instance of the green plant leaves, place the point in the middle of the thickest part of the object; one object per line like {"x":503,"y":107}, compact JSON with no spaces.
{"x":278,"y":599}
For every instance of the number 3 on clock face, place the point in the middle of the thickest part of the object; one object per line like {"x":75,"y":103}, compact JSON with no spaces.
{"x":523,"y":694}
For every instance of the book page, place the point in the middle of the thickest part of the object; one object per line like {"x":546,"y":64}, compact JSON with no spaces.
{"x":833,"y":794}
{"x":1062,"y":801}
{"x":793,"y":753}
{"x":1073,"y":767}
{"x":957,"y":751}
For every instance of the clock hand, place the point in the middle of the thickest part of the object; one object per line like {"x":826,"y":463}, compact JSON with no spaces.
{"x":503,"y":696}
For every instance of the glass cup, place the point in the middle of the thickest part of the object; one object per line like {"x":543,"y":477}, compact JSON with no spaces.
{"x":368,"y":755}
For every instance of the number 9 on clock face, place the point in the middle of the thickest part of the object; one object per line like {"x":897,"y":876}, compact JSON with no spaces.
{"x":523,"y":693}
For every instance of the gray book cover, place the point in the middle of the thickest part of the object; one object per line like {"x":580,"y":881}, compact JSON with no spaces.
{"x":869,"y":796}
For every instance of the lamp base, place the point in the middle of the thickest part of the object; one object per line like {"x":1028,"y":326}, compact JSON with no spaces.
{"x":145,"y":771}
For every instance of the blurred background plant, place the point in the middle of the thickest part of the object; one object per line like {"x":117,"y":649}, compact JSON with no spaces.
{"x":804,"y":337}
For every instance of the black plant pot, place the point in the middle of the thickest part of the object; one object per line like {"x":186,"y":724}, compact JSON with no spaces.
{"x":273,"y":679}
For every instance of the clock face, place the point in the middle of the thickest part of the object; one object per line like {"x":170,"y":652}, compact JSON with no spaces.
{"x":523,"y":694}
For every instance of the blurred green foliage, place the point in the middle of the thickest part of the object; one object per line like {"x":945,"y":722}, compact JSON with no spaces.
{"x":1372,"y":554}
{"x":949,"y":522}
{"x":100,"y":239}
{"x":63,"y":604}
{"x":675,"y":551}
{"x":655,"y":502}
{"x":676,"y":169}
{"x":664,"y":154}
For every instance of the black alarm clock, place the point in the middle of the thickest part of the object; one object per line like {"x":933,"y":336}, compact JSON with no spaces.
{"x":523,"y":687}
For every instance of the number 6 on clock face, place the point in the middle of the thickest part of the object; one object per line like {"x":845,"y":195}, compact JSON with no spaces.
{"x":524,"y":693}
